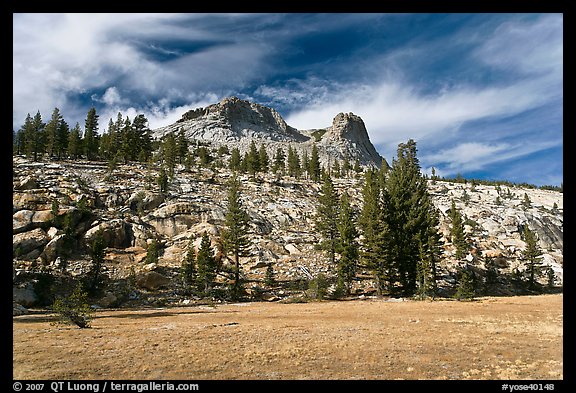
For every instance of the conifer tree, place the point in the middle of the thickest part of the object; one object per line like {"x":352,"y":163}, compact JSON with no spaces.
{"x":75,"y":142}
{"x":466,"y":286}
{"x":408,"y":216}
{"x":327,"y":218}
{"x":51,"y":130}
{"x":61,"y":143}
{"x":90,"y":134}
{"x":252,"y":159}
{"x":532,"y":255}
{"x":526,"y":202}
{"x":491,"y":278}
{"x":347,"y":245}
{"x":314,"y":165}
{"x":169,"y":153}
{"x":279,"y":161}
{"x":457,"y":232}
{"x":181,"y":145}
{"x":374,"y":228}
{"x":24,"y":134}
{"x":235,"y":161}
{"x":235,"y":235}
{"x":263,"y":159}
{"x":188,"y":270}
{"x":294,"y":167}
{"x":270,"y":278}
{"x":206,"y":265}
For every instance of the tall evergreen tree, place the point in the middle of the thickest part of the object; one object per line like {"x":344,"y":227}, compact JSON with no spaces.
{"x":235,"y":161}
{"x":181,"y":145}
{"x":532,"y":256}
{"x":188,"y":269}
{"x":24,"y":134}
{"x":62,"y":135}
{"x":327,"y":218}
{"x":75,"y":142}
{"x":409,"y":216}
{"x":169,"y":153}
{"x":206,"y":265}
{"x":314,"y":165}
{"x":51,"y":130}
{"x":235,"y":235}
{"x":347,"y":245}
{"x":142,"y":141}
{"x":91,"y":134}
{"x":294,"y":167}
{"x":252,"y":159}
{"x":374,"y":228}
{"x":263,"y":159}
{"x":457,"y":232}
{"x":279,"y":161}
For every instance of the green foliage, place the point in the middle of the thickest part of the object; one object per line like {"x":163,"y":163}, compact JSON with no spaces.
{"x":532,"y":257}
{"x":327,"y":218}
{"x":91,"y":134}
{"x":162,"y":180}
{"x":97,"y":250}
{"x":74,"y":308}
{"x":318,"y":134}
{"x":234,"y":164}
{"x":279,"y":161}
{"x":466,"y":285}
{"x":318,"y":287}
{"x":235,"y":235}
{"x":346,"y":244}
{"x":152,"y":252}
{"x":294,"y":167}
{"x":314,"y":165}
{"x":457,"y":232}
{"x":206,"y":265}
{"x":551,"y":276}
{"x":491,"y":278}
{"x":526,"y":202}
{"x":270,"y":277}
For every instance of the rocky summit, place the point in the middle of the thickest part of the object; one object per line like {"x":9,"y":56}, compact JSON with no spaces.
{"x":56,"y":201}
{"x":236,"y":123}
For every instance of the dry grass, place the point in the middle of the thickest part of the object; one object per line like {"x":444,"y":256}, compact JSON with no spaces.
{"x":493,"y":338}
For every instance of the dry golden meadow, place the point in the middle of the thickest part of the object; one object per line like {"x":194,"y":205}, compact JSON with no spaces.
{"x":490,"y":338}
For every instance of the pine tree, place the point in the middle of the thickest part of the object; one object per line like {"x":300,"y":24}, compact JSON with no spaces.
{"x":235,"y":161}
{"x":532,"y":255}
{"x":142,"y":140}
{"x":314,"y":165}
{"x":62,"y":135}
{"x":491,"y":279}
{"x":162,"y":180}
{"x":181,"y":145}
{"x":431,"y":248}
{"x":457,"y":232}
{"x":90,"y":134}
{"x":466,"y":286}
{"x":235,"y":235}
{"x":97,"y":252}
{"x":169,"y":153}
{"x":269,"y":278}
{"x":24,"y":134}
{"x":294,"y":167}
{"x":188,"y":270}
{"x":206,"y":265}
{"x":252,"y":159}
{"x":263,"y":159}
{"x":347,"y":245}
{"x":408,"y":216}
{"x":374,"y":228}
{"x":526,"y":202}
{"x":75,"y":142}
{"x":51,"y":130}
{"x":327,"y":218}
{"x":335,"y":170}
{"x":279,"y":161}
{"x":152,"y":252}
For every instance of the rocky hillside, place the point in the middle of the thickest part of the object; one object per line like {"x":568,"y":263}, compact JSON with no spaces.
{"x":236,"y":123}
{"x":128,"y":207}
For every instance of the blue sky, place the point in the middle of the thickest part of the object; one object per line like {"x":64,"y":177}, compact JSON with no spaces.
{"x":482,"y":94}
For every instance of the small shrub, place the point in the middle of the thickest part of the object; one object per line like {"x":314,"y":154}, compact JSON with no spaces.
{"x":74,"y":308}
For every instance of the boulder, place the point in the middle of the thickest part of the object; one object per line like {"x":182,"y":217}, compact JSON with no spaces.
{"x":145,"y":200}
{"x":25,"y":295}
{"x":116,"y":233}
{"x":24,"y":243}
{"x":28,"y":183}
{"x":54,"y":248}
{"x":152,"y":280}
{"x":18,"y":309}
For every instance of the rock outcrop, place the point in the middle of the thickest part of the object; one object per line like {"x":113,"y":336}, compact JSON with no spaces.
{"x":236,"y":123}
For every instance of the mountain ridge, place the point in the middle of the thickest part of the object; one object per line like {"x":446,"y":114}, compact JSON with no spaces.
{"x":236,"y":123}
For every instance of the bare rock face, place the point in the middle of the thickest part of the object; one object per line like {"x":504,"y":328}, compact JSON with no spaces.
{"x":116,"y":233}
{"x":237,"y":123}
{"x":34,"y":240}
{"x":152,"y":281}
{"x":349,"y":134}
